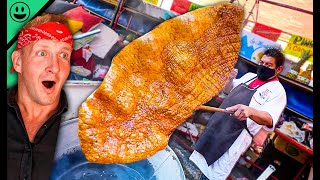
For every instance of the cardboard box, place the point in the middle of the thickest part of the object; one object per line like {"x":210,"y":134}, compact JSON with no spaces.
{"x":291,"y":150}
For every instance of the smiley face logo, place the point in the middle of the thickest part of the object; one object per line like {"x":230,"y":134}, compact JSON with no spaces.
{"x":19,"y":12}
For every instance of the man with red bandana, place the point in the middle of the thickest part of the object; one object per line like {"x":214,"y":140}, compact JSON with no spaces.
{"x":35,"y":105}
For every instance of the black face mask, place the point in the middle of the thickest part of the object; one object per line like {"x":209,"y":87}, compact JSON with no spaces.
{"x":264,"y":73}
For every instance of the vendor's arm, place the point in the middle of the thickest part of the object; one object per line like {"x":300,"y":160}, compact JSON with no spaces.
{"x":229,"y":84}
{"x":243,"y":112}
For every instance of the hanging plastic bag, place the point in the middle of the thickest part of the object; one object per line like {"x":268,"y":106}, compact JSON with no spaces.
{"x":291,"y":129}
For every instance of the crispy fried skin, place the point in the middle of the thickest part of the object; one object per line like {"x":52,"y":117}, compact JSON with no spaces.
{"x":157,"y":81}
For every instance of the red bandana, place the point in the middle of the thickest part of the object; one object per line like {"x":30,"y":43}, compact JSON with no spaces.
{"x":48,"y":30}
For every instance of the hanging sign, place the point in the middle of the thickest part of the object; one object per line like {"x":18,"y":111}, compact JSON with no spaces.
{"x":297,"y":44}
{"x":253,"y":46}
{"x":184,"y":6}
{"x":180,"y":6}
{"x":153,"y":2}
{"x":266,"y":31}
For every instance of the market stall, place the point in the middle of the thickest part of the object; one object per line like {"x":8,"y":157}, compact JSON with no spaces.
{"x":296,"y":77}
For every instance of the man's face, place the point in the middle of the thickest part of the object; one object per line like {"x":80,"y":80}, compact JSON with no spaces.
{"x":45,"y":65}
{"x":270,"y":62}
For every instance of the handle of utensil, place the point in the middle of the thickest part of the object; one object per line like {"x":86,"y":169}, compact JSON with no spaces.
{"x":212,"y":109}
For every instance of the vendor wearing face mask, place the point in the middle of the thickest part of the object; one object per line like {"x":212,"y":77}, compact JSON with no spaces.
{"x":254,"y":101}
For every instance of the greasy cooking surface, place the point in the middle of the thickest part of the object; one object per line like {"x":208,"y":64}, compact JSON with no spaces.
{"x":157,"y":81}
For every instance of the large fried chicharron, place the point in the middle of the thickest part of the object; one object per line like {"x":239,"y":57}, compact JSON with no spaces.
{"x":157,"y":81}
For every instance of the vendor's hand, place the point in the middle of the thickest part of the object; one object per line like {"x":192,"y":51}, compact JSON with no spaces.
{"x":121,"y":38}
{"x":240,"y":111}
{"x":233,"y":74}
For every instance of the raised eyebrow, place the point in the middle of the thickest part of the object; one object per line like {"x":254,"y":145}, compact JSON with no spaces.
{"x":67,"y":48}
{"x":43,"y":46}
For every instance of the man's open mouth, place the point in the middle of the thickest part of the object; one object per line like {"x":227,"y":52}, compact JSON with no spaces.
{"x":48,"y":84}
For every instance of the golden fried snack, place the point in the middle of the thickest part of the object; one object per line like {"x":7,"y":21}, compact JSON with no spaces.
{"x":157,"y":81}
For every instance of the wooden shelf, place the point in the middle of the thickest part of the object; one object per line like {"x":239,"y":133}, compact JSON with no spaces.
{"x":140,"y":34}
{"x":145,"y":15}
{"x":297,"y":84}
{"x":283,"y":78}
{"x":91,"y":12}
{"x":301,"y":115}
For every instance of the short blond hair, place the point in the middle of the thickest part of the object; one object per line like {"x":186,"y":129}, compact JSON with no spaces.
{"x":46,"y":18}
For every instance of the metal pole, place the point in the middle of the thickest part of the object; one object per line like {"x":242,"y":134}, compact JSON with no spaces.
{"x":250,"y":13}
{"x":257,"y":13}
{"x":114,"y":20}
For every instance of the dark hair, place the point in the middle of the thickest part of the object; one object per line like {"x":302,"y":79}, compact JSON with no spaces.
{"x":276,"y":54}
